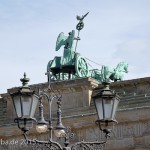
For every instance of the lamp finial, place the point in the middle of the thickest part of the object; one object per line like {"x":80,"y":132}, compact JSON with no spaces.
{"x":25,"y":80}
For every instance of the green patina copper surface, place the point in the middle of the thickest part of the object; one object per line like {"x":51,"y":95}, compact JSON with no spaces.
{"x":72,"y":65}
{"x":67,"y":41}
{"x":108,"y":73}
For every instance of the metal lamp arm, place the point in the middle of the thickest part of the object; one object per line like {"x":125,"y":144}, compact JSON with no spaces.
{"x":106,"y":131}
{"x":50,"y":99}
{"x":25,"y":128}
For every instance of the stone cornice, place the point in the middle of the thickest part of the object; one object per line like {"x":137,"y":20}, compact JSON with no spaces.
{"x":63,"y":86}
{"x":132,"y":82}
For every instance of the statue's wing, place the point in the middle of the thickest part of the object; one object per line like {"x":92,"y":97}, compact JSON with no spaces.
{"x":60,"y":40}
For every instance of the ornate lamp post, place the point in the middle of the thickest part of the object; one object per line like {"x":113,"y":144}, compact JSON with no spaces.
{"x":25,"y":103}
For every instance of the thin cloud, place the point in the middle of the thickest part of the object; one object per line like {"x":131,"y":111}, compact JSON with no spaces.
{"x":114,"y":31}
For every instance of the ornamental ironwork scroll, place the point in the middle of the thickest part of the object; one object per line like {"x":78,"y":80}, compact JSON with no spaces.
{"x":44,"y":145}
{"x":88,"y":146}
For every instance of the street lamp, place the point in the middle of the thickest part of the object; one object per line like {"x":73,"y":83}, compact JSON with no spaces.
{"x":25,"y":103}
{"x":106,"y":104}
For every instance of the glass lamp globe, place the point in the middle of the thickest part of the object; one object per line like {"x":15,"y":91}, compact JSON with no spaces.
{"x":59,"y":133}
{"x":41,"y":128}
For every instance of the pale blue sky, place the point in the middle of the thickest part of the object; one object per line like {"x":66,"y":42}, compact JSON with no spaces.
{"x":115,"y":30}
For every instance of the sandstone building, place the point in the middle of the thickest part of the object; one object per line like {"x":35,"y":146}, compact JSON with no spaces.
{"x":131,"y":133}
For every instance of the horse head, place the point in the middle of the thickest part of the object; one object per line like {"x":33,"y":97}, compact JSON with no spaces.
{"x":122,"y":67}
{"x":119,"y":71}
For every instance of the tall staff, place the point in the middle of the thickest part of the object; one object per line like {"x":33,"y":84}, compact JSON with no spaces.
{"x":79,"y":27}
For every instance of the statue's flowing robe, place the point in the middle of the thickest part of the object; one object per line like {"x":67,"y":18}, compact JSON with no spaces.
{"x":68,"y":57}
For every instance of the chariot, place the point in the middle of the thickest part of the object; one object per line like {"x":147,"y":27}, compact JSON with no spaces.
{"x":76,"y":67}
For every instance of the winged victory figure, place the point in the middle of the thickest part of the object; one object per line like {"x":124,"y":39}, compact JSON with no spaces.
{"x":67,"y":41}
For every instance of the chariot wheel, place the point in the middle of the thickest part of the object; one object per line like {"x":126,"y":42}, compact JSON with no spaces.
{"x":81,"y":67}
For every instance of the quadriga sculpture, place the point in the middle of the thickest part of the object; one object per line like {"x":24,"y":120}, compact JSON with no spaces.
{"x":72,"y":65}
